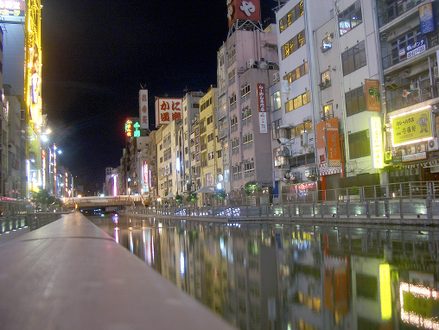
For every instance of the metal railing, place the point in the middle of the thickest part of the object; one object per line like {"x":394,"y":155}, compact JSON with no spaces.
{"x":408,"y":200}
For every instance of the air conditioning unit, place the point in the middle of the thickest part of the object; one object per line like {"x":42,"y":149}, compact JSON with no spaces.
{"x":433,"y":145}
{"x":250,"y":63}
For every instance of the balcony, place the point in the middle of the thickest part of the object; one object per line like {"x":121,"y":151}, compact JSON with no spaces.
{"x":390,"y":11}
{"x":404,"y":96}
{"x":393,"y":59}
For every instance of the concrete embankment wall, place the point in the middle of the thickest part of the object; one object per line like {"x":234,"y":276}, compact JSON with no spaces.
{"x":69,"y":274}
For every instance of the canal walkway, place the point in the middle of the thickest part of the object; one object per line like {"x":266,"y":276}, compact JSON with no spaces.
{"x":69,"y":274}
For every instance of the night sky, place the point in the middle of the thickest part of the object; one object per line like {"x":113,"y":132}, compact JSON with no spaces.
{"x":96,"y":54}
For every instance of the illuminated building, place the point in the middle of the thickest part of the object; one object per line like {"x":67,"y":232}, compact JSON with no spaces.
{"x":168,"y":162}
{"x":331,"y":123}
{"x":190,"y":178}
{"x":409,"y":44}
{"x":32,"y":93}
{"x":210,"y":148}
{"x":246,"y":64}
{"x":146,"y":165}
{"x":12,"y":177}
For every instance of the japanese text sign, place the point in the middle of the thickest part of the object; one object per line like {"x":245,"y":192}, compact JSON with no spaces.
{"x":243,"y":10}
{"x":167,"y":110}
{"x":143,"y":108}
{"x":411,"y":127}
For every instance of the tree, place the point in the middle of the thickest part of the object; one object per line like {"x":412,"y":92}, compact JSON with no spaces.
{"x":43,"y":200}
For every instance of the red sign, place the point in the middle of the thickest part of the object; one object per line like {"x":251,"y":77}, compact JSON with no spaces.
{"x":167,"y":110}
{"x":328,"y":144}
{"x":243,"y":10}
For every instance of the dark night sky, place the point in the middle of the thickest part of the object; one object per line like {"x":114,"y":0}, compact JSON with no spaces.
{"x":97,"y":53}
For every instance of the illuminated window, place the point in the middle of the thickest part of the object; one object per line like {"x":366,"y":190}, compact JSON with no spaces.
{"x":293,"y":44}
{"x":293,"y":15}
{"x":325,"y":79}
{"x":350,"y":18}
{"x":327,"y":112}
{"x":298,"y":101}
{"x":276,"y":102}
{"x":296,"y":73}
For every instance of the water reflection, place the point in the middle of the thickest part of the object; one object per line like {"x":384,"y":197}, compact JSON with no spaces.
{"x":265,"y":276}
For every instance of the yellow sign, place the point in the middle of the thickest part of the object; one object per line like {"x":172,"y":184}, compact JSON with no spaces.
{"x":411,"y":128}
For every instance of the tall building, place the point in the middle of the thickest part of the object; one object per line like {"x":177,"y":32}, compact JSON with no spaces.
{"x":15,"y":179}
{"x":409,"y":42}
{"x":189,"y":155}
{"x":210,"y":148}
{"x":146,"y":165}
{"x":246,"y":63}
{"x":330,"y":132}
{"x":32,"y":93}
{"x":168,"y":169}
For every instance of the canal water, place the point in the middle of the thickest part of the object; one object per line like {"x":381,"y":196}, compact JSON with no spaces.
{"x":288,"y":276}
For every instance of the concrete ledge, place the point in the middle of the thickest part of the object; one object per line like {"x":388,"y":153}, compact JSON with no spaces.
{"x":71,"y":275}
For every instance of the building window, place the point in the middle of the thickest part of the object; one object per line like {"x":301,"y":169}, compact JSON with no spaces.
{"x":327,"y":112}
{"x":210,"y":137}
{"x":245,"y":89}
{"x":246,"y":112}
{"x":402,"y":46}
{"x":247,"y":138}
{"x":325,"y":79}
{"x":292,"y":16}
{"x":355,"y":101}
{"x":354,"y":58}
{"x":233,"y":121}
{"x":293,"y":44}
{"x":276,"y":102}
{"x":298,"y":101}
{"x":359,"y":144}
{"x":298,"y":72}
{"x":249,"y":166}
{"x":350,"y":18}
{"x":209,"y":120}
{"x":219,"y":154}
{"x":232,"y":99}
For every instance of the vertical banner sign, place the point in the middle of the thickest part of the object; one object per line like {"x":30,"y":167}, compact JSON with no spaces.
{"x":426,"y":18}
{"x":262,"y":109}
{"x":167,"y":110}
{"x":129,"y":128}
{"x":243,"y":10}
{"x":145,"y":176}
{"x":376,"y":142}
{"x":372,"y":95}
{"x":328,"y":146}
{"x":143,"y":109}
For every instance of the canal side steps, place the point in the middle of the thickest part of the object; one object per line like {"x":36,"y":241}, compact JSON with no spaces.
{"x":69,"y":274}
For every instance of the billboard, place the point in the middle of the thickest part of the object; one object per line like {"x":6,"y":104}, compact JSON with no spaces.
{"x":12,"y":9}
{"x":167,"y":110}
{"x":426,"y":18}
{"x":262,"y":109}
{"x":372,"y":95}
{"x":143,"y":108}
{"x":411,"y":127}
{"x":243,"y":10}
{"x":328,"y":146}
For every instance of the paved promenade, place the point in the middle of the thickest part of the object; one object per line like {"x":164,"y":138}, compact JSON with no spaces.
{"x":71,"y":275}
